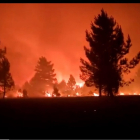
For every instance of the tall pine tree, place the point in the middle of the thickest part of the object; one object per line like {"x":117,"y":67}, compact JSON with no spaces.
{"x":106,"y":56}
{"x":44,"y":77}
{"x":6,"y":80}
{"x":71,"y":82}
{"x":62,"y":86}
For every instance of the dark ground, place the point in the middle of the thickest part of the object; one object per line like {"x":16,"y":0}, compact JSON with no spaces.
{"x":79,"y":117}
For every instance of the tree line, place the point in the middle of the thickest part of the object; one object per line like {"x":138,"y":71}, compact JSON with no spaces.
{"x":107,"y":63}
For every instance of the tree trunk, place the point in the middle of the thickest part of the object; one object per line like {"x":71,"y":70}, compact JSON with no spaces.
{"x":4,"y":88}
{"x":100,"y":91}
{"x":4,"y":91}
{"x":110,"y":92}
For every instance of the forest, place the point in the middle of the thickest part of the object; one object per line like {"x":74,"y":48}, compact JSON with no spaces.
{"x":102,"y":75}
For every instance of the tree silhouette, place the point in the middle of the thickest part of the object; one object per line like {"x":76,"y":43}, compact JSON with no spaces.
{"x":26,"y":85}
{"x":25,"y":93}
{"x":56,"y":91}
{"x":44,"y":77}
{"x":62,"y":86}
{"x":6,"y":80}
{"x":77,"y":89}
{"x":106,"y":56}
{"x":55,"y":82}
{"x":71,"y":82}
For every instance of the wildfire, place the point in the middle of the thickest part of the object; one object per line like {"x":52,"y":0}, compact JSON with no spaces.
{"x":19,"y":94}
{"x":47,"y":94}
{"x":80,"y":84}
{"x":77,"y":94}
{"x":95,"y":94}
{"x":121,"y":93}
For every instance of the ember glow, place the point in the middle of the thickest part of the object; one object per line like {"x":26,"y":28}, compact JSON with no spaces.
{"x":135,"y":93}
{"x":80,"y":84}
{"x":121,"y":93}
{"x":77,"y":94}
{"x":19,"y":94}
{"x":48,"y":94}
{"x":95,"y":94}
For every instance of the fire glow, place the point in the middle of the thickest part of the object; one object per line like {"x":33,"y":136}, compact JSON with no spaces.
{"x":48,"y":94}
{"x":78,"y":94}
{"x":19,"y":94}
{"x":121,"y":93}
{"x":95,"y":94}
{"x":80,"y":84}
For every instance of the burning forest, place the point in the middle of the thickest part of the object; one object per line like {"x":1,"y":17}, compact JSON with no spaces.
{"x":102,"y":74}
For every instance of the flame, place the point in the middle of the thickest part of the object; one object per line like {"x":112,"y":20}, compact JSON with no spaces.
{"x":135,"y":93}
{"x":48,"y":94}
{"x":54,"y":95}
{"x":19,"y":94}
{"x":95,"y":94}
{"x":80,"y":84}
{"x":77,"y":94}
{"x":121,"y":93}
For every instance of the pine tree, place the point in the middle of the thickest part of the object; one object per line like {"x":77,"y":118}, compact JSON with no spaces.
{"x":44,"y":77}
{"x":56,"y":91}
{"x":6,"y":80}
{"x":62,"y":86}
{"x":106,"y":56}
{"x":78,"y":89}
{"x":71,"y":82}
{"x":26,"y":85}
{"x":25,"y":93}
{"x":26,"y":88}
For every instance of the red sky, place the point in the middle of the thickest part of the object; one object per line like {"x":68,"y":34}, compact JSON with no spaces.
{"x":57,"y":31}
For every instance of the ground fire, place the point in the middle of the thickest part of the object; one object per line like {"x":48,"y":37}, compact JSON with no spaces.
{"x":20,"y":93}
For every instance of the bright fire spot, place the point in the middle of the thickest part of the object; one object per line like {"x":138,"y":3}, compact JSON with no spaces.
{"x":121,"y":93}
{"x":19,"y":94}
{"x":80,"y":84}
{"x":68,"y":95}
{"x":54,"y":95}
{"x":95,"y":94}
{"x":77,"y":94}
{"x":47,"y":94}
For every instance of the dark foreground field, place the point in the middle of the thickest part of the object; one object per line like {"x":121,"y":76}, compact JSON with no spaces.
{"x":69,"y":117}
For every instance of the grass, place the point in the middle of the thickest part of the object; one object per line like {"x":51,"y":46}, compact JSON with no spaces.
{"x":80,"y":113}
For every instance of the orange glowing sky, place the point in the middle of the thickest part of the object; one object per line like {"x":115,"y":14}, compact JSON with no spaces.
{"x":57,"y":31}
